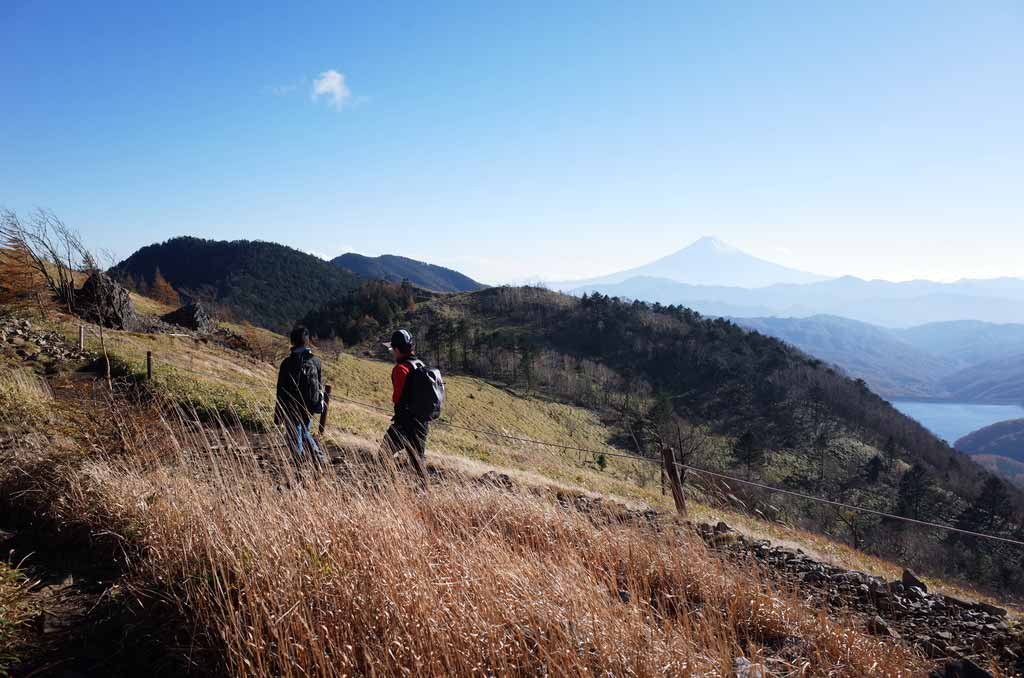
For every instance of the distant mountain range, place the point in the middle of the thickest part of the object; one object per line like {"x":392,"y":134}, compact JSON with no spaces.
{"x":966,"y":361}
{"x":714,"y":278}
{"x":708,"y":261}
{"x":872,"y":301}
{"x":396,"y":269}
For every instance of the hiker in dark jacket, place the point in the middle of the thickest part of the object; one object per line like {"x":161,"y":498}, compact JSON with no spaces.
{"x":300,"y":396}
{"x":407,"y":431}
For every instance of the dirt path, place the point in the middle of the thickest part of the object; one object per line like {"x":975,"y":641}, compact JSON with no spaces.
{"x":83,"y":621}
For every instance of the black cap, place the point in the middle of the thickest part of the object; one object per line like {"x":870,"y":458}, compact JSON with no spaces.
{"x":401,"y":340}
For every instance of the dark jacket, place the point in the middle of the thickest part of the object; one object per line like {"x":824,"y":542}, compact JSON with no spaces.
{"x":290,"y":401}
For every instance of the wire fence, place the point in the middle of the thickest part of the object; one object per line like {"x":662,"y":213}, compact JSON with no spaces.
{"x":148,"y":365}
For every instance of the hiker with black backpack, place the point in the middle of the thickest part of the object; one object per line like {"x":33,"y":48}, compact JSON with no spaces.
{"x":300,"y":395}
{"x":417,"y":394}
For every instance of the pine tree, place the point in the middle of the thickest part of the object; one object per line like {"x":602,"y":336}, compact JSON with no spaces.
{"x":913,"y":492}
{"x":990,"y":508}
{"x":748,"y":451}
{"x":873,"y":469}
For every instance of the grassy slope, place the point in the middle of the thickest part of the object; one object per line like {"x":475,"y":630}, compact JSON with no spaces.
{"x":236,"y":381}
{"x":219,"y":380}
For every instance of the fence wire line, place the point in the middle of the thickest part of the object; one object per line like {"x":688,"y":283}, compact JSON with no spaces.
{"x":689,"y":467}
{"x":696,"y":469}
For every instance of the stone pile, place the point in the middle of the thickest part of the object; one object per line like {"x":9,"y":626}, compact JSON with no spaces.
{"x":942,"y":626}
{"x":32,"y":344}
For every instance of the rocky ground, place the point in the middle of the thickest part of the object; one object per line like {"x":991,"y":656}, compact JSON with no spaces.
{"x":963,"y":633}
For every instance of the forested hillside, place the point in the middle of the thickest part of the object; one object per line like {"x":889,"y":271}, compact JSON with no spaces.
{"x":792,"y":420}
{"x":264,"y":283}
{"x":365,"y":312}
{"x":1005,"y":438}
{"x":891,"y":366}
{"x":391,"y":268}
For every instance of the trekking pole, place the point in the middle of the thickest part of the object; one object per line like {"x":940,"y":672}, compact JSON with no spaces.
{"x":327,"y":404}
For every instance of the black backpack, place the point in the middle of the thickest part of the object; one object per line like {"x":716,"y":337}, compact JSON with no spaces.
{"x":305,"y":374}
{"x":423,"y":394}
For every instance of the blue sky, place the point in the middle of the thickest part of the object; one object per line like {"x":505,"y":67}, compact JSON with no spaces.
{"x":518,"y":139}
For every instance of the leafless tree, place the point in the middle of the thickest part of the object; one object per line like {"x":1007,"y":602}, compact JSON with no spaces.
{"x":54,"y":250}
{"x":661,"y":433}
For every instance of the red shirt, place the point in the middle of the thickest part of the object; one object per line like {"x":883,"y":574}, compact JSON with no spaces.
{"x":398,"y":375}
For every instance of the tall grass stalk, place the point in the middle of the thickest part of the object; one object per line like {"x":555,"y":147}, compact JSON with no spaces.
{"x":286,"y":571}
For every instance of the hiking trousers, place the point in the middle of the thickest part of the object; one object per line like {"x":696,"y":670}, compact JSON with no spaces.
{"x":300,"y":437}
{"x":410,"y":435}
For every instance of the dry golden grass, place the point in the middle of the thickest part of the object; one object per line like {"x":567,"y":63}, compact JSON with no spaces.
{"x":218,"y":382}
{"x":24,"y":398}
{"x":288,"y":573}
{"x":15,"y":611}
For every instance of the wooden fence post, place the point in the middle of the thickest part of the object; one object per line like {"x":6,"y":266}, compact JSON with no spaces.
{"x":668,"y":457}
{"x":149,"y":365}
{"x":81,"y":338}
{"x":327,"y":404}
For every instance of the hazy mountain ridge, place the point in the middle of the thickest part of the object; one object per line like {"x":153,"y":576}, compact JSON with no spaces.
{"x":970,"y":342}
{"x":898,"y":363}
{"x":894,"y":305}
{"x":392,"y":268}
{"x":890,"y":366}
{"x":708,"y":261}
{"x":995,"y":381}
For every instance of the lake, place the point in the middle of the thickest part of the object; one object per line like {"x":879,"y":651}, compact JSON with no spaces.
{"x":952,"y":421}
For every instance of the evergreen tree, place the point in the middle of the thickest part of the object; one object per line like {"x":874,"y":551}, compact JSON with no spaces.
{"x":990,"y":508}
{"x":873,"y":469}
{"x":913,"y":492}
{"x":748,"y":450}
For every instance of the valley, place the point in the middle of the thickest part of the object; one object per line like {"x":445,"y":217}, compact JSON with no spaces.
{"x":952,"y":421}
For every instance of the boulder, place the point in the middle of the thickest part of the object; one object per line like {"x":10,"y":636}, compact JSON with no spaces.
{"x":193,"y":317}
{"x":910,"y":579}
{"x":104,"y":302}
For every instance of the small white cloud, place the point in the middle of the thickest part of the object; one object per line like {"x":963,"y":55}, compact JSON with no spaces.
{"x":331,"y":84}
{"x":784,"y":251}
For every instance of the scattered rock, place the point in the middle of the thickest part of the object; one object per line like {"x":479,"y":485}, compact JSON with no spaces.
{"x":878,"y":627}
{"x":910,"y":579}
{"x":991,"y":609}
{"x":192,"y":316}
{"x":961,"y":668}
{"x":942,"y":626}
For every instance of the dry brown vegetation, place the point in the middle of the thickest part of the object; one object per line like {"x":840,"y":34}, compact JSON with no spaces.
{"x":282,"y":572}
